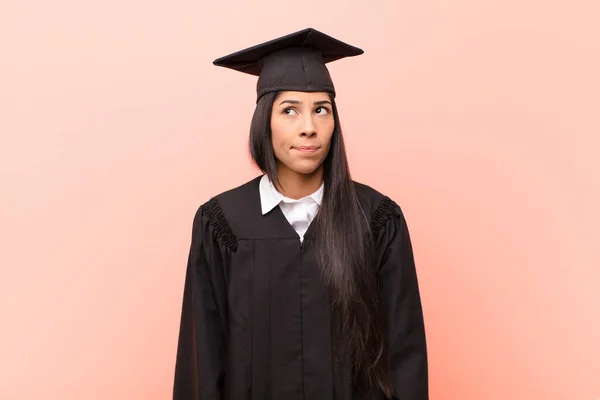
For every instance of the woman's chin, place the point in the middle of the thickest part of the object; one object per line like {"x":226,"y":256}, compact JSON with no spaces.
{"x":305,"y":168}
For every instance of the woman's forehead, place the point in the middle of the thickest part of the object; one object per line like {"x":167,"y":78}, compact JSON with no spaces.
{"x":302,"y":96}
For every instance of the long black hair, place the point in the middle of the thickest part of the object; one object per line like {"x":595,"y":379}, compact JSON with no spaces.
{"x":344,"y":251}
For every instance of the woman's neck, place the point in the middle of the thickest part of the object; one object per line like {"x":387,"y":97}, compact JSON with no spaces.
{"x":296,"y":185}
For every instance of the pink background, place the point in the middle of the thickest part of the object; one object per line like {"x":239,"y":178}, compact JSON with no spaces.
{"x":481,"y":118}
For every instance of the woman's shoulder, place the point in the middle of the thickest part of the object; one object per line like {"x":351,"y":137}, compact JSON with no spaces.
{"x":227,"y":213}
{"x":370,"y":198}
{"x":379,"y":206}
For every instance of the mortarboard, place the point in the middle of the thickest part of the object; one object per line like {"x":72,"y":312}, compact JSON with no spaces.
{"x":292,"y":62}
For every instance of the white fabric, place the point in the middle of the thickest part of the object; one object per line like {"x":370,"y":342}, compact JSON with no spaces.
{"x":299,"y":213}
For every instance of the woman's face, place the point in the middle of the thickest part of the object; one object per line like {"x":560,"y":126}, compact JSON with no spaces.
{"x":301,"y":126}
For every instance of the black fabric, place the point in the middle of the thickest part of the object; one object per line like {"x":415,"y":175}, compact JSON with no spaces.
{"x":382,"y":214}
{"x":292,"y":62}
{"x":215,"y":217}
{"x":255,"y":321}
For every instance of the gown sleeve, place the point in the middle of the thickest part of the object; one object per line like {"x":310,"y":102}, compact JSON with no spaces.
{"x":401,"y":303}
{"x":200,"y":359}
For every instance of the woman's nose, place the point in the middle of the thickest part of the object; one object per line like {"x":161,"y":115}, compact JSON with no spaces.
{"x":309,"y":128}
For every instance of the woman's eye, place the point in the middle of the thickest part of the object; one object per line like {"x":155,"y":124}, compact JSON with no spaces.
{"x":322,"y":110}
{"x":289,"y":111}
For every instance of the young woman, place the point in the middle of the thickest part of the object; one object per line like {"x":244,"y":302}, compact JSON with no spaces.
{"x":301,"y":283}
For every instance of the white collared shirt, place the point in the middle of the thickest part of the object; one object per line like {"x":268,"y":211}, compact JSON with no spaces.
{"x":299,"y":213}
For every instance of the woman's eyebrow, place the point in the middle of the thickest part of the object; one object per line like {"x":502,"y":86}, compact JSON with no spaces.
{"x":291,"y":102}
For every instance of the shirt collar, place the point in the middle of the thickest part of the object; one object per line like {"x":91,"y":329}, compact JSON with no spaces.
{"x":270,"y":197}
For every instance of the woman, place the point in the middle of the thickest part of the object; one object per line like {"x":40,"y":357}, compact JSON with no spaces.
{"x":301,"y":283}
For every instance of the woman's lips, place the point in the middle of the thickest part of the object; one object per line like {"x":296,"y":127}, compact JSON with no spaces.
{"x":307,"y":149}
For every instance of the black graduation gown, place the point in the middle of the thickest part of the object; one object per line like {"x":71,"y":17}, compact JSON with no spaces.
{"x":255,"y":322}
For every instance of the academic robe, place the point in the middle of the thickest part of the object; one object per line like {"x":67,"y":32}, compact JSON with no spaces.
{"x":255,"y":322}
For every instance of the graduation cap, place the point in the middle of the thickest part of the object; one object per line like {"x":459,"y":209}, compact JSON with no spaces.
{"x":292,"y":62}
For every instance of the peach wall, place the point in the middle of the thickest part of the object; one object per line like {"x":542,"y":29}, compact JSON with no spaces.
{"x":481,"y":118}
